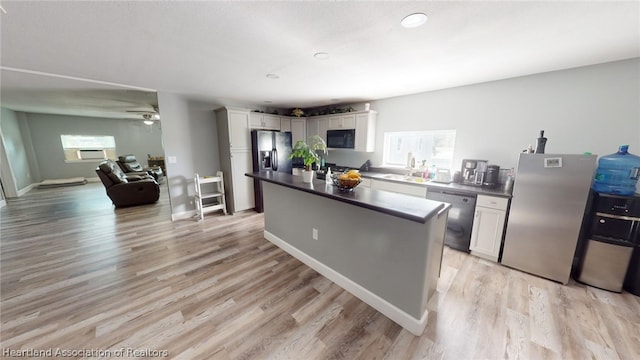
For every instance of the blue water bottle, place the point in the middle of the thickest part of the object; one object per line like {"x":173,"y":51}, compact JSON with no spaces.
{"x":617,"y":173}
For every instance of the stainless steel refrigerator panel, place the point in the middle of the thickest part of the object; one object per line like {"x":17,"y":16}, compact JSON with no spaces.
{"x":271,"y":150}
{"x":546,"y":213}
{"x":282,"y":146}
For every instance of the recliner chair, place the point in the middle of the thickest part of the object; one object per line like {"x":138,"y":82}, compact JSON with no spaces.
{"x":130,"y":165}
{"x":127,"y":190}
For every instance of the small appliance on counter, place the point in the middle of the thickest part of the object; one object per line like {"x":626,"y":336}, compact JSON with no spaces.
{"x":473,"y":172}
{"x":442,"y":176}
{"x":492,"y":179}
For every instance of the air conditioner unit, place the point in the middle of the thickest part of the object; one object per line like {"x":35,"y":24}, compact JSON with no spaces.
{"x":92,"y":154}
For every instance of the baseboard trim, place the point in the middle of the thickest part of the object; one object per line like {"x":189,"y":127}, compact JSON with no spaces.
{"x":26,"y":189}
{"x":412,"y":324}
{"x":93,"y":180}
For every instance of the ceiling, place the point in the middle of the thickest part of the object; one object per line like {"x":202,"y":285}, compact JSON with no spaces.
{"x":221,"y":52}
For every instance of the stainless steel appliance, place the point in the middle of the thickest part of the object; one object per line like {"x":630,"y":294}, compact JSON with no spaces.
{"x":473,"y":171}
{"x":549,"y":199}
{"x":460,"y":220}
{"x":609,"y":242}
{"x":270,"y":152}
{"x":341,"y":139}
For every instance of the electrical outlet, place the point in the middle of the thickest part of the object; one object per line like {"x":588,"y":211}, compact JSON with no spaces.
{"x":314,"y":234}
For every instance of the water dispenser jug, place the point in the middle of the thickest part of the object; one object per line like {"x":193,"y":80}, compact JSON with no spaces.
{"x":617,"y":173}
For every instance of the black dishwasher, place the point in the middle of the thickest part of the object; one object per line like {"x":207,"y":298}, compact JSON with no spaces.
{"x":460,"y":220}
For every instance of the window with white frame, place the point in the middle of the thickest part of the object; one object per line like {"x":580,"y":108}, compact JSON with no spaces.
{"x":88,"y":147}
{"x":434,"y":147}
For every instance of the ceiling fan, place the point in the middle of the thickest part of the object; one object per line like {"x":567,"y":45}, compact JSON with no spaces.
{"x":149,"y":115}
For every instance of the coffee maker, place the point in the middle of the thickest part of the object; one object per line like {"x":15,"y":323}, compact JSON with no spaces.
{"x":492,"y":178}
{"x":474,"y":172}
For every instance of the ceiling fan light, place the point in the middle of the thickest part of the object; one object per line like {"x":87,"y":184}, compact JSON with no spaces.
{"x":414,"y":20}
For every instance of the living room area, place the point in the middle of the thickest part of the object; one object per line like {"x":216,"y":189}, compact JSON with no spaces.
{"x":57,"y":137}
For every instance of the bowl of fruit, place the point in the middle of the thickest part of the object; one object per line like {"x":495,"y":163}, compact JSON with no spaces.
{"x":346,"y":181}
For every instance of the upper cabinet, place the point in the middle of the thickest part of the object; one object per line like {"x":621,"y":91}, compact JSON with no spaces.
{"x":312,"y":127}
{"x":298,"y":130}
{"x":366,"y":131}
{"x":323,"y":126}
{"x":264,"y":121}
{"x":233,"y":128}
{"x":342,"y":122}
{"x":285,"y":124}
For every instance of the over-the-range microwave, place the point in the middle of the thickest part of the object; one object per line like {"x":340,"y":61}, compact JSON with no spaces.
{"x":341,"y":139}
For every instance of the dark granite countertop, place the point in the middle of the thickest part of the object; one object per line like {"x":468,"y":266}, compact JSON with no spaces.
{"x":452,"y":187}
{"x":403,"y":206}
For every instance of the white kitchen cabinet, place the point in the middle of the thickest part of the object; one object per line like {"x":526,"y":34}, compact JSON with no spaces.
{"x":264,"y":121}
{"x":233,"y":128}
{"x":285,"y":124}
{"x":298,"y":130}
{"x":234,"y":146}
{"x":311,"y":127}
{"x":342,"y":122}
{"x":488,"y":226}
{"x":365,"y":131}
{"x":323,"y":126}
{"x":398,"y":187}
{"x":243,"y":195}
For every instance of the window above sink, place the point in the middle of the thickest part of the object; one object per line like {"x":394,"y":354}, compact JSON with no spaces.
{"x":435,"y":147}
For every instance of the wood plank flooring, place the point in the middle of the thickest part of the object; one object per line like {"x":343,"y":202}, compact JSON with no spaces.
{"x":78,"y":275}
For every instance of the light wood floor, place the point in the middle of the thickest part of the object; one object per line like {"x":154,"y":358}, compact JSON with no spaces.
{"x":77,"y":274}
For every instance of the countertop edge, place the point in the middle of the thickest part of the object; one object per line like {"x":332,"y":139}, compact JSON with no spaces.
{"x":360,"y":203}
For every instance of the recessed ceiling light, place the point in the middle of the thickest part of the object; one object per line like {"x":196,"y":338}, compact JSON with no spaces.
{"x":321,"y":55}
{"x":414,"y":20}
{"x":273,"y":76}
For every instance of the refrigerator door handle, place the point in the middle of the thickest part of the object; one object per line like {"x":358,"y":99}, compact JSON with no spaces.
{"x":274,"y":159}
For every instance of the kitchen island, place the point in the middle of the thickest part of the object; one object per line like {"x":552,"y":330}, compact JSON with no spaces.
{"x":385,"y":248}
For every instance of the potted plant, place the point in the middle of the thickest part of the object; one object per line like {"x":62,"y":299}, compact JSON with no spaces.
{"x":309,"y":154}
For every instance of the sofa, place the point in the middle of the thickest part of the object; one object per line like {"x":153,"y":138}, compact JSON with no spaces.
{"x":130,"y":165}
{"x":127,"y":190}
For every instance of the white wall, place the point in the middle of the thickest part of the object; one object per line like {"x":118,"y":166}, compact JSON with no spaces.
{"x":15,"y":148}
{"x":593,"y":108}
{"x":189,"y":135}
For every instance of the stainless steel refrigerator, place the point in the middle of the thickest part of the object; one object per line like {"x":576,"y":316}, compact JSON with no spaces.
{"x":549,"y":199}
{"x":270,"y":152}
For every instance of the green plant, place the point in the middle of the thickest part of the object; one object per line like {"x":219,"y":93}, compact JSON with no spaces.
{"x":309,"y":152}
